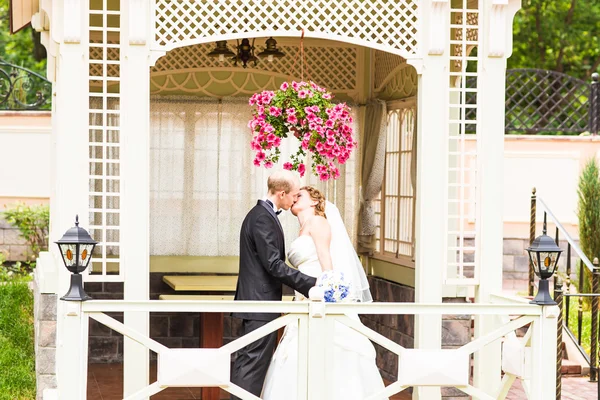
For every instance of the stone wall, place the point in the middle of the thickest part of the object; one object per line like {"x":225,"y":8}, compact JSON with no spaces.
{"x":515,"y":264}
{"x":45,"y":340}
{"x":12,"y":245}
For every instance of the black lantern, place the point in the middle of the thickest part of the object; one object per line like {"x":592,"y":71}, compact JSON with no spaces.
{"x":544,"y":254}
{"x":221,"y":51}
{"x":76,"y":247}
{"x":271,"y":51}
{"x":245,"y":53}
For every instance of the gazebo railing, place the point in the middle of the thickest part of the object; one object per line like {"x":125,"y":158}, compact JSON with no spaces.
{"x":530,"y":358}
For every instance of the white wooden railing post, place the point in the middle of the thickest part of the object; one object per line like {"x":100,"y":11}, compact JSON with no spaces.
{"x":73,"y":344}
{"x":544,"y":355}
{"x":317,"y":348}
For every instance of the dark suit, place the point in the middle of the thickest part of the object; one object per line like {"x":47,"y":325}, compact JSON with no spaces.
{"x":262,"y":272}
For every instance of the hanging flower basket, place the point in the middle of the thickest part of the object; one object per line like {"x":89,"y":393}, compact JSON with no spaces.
{"x":306,"y":111}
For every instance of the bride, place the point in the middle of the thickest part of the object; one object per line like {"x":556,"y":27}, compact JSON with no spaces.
{"x":323,"y":244}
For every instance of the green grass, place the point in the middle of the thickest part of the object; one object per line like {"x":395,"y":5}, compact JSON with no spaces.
{"x":17,"y":357}
{"x":586,"y":326}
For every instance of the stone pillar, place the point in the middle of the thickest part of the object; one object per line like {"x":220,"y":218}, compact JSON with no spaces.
{"x":44,"y":316}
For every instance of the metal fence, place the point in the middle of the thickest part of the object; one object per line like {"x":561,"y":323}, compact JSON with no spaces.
{"x":22,"y":89}
{"x":541,"y":101}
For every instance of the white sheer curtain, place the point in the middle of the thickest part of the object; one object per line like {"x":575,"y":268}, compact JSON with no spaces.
{"x":203,"y":182}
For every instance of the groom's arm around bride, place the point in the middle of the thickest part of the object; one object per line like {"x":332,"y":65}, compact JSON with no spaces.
{"x":262,"y":272}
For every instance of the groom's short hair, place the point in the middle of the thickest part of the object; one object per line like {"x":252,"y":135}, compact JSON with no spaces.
{"x":282,"y":180}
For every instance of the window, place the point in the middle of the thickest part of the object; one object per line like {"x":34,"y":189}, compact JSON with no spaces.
{"x":395,"y":208}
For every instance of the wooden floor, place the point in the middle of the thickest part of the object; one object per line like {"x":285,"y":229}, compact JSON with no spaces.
{"x":105,"y":382}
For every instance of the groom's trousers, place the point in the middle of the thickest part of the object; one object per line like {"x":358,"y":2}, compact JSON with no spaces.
{"x":252,"y":362}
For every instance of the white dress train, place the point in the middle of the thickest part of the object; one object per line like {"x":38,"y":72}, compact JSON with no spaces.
{"x":355,"y":374}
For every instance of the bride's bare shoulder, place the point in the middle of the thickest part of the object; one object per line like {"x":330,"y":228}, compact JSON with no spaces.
{"x":319,"y":222}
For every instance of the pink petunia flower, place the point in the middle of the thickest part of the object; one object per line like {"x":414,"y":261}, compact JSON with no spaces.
{"x":336,"y":172}
{"x":324,"y":176}
{"x":260,"y":156}
{"x":274,"y":111}
{"x":288,"y":166}
{"x":326,"y":96}
{"x":301,"y":169}
{"x":268,"y":164}
{"x":268,"y":128}
{"x":257,"y":162}
{"x":284,"y":86}
{"x":302,"y":94}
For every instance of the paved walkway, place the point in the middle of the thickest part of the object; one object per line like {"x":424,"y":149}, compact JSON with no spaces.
{"x":105,"y":382}
{"x":573,"y":388}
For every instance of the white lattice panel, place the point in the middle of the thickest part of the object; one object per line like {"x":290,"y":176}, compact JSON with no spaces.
{"x":462,"y":224}
{"x":385,"y":64}
{"x":383,"y":24}
{"x":104,"y":142}
{"x":470,"y":31}
{"x":332,"y":67}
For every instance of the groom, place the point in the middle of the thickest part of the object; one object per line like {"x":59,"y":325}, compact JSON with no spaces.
{"x":262,"y":272}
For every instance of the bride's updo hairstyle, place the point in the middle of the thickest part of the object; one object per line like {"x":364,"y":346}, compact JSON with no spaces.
{"x":316,"y":195}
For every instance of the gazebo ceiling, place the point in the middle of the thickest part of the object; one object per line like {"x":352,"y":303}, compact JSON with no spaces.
{"x":340,"y":67}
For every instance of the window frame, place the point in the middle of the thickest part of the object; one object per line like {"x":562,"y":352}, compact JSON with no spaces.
{"x":381,"y":254}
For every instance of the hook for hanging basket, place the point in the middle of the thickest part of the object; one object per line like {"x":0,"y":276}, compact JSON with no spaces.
{"x":302,"y":57}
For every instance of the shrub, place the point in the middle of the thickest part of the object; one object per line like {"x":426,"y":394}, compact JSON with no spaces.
{"x":588,"y":213}
{"x":33,"y":222}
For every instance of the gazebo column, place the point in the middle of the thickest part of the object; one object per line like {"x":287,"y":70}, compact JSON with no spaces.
{"x":70,"y":193}
{"x":432,"y":175}
{"x":135,"y":188}
{"x":496,"y":45}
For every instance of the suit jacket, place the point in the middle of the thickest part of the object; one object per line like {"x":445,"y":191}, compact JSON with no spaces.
{"x":262,"y":262}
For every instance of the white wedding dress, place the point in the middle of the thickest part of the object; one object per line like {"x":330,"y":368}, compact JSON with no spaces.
{"x":355,"y":375}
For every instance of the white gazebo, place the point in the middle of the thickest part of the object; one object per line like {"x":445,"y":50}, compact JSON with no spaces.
{"x":149,"y":148}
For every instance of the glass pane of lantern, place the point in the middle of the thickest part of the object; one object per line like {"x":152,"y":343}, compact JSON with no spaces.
{"x":546,"y":261}
{"x":554,"y":258}
{"x":533,"y":259}
{"x":69,"y":254}
{"x":86,"y":254}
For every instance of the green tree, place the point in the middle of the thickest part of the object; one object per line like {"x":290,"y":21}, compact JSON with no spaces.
{"x":23,"y":48}
{"x":588,"y":213}
{"x":559,"y":35}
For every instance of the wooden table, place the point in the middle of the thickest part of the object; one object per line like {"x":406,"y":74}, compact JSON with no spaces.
{"x":202,"y":283}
